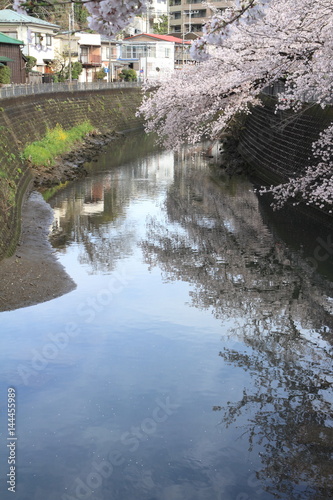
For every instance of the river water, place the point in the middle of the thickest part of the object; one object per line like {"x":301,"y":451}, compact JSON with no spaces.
{"x":194,"y":359}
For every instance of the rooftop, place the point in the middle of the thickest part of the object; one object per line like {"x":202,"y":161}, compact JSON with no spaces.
{"x":163,"y":38}
{"x":10,"y":16}
{"x":9,"y":39}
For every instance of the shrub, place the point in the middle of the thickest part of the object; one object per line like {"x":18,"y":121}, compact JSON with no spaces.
{"x":5,"y":74}
{"x":129,"y":75}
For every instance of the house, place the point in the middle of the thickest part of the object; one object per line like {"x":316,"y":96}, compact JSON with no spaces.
{"x":36,"y":35}
{"x":110,"y":58}
{"x":11,"y":56}
{"x":66,"y":50}
{"x":90,"y":55}
{"x":152,"y":55}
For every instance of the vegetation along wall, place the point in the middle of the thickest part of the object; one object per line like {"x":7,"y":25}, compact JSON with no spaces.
{"x":24,"y":120}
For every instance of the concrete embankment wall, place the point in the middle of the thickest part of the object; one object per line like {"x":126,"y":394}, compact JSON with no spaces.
{"x":278,"y":145}
{"x":26,"y":119}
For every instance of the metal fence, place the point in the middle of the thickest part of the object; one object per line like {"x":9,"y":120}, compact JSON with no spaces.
{"x":310,"y":97}
{"x":44,"y":88}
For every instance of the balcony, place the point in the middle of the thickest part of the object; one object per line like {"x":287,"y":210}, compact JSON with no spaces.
{"x":90,"y":60}
{"x":73,"y":53}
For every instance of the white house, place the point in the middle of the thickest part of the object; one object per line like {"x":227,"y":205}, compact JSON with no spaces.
{"x":36,"y":34}
{"x":152,"y":56}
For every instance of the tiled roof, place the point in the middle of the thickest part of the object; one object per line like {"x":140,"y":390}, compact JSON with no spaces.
{"x":10,"y":16}
{"x":164,"y":38}
{"x":9,"y":39}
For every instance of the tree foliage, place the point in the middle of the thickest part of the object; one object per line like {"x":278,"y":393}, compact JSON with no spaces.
{"x":31,"y":63}
{"x":161,"y":28}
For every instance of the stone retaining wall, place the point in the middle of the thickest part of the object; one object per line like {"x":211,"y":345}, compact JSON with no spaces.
{"x":26,"y":119}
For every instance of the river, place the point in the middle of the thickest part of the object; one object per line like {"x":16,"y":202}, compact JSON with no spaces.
{"x":193,"y":361}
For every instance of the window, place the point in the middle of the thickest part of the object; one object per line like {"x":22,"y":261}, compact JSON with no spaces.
{"x":12,"y":34}
{"x":38,"y":38}
{"x":48,"y":40}
{"x":167,"y":52}
{"x":110,"y":54}
{"x":137,"y":51}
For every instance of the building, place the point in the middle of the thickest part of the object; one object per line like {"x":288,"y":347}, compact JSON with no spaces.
{"x":66,"y":49}
{"x":90,"y":55}
{"x":110,"y":58}
{"x":11,"y":56}
{"x":37,"y":36}
{"x":152,"y":16}
{"x":153,"y":56}
{"x":186,"y":18}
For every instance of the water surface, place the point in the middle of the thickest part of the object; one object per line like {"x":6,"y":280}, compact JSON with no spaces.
{"x":194,"y":359}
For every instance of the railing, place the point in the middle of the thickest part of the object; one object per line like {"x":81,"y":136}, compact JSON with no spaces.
{"x":90,"y":59}
{"x":49,"y":88}
{"x":309,"y":97}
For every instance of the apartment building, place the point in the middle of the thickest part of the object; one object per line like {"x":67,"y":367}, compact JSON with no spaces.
{"x":187,"y":17}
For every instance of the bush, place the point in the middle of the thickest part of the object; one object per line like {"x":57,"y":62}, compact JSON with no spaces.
{"x":31,"y":63}
{"x":5,"y":74}
{"x":100,"y":75}
{"x":129,"y":75}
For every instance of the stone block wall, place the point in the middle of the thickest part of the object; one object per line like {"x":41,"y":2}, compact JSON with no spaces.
{"x":24,"y":120}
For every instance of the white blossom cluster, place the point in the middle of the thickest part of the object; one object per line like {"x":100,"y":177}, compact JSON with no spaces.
{"x":111,"y":16}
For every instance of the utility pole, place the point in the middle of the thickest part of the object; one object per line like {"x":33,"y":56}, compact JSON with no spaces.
{"x":70,"y":29}
{"x":189,"y":13}
{"x":109,"y":73}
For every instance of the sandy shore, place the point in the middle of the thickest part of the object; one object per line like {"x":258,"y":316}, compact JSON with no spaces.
{"x":33,"y":274}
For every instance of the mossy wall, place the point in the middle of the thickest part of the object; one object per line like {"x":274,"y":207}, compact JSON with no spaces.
{"x":26,"y":119}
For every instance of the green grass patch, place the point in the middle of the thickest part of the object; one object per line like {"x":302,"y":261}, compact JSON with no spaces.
{"x":57,"y":141}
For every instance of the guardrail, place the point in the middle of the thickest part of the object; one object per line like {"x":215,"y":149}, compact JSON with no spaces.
{"x":17,"y":90}
{"x":309,"y":97}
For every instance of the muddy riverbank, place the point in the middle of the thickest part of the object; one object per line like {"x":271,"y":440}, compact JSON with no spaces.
{"x":33,"y":274}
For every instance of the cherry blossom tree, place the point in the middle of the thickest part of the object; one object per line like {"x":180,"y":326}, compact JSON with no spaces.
{"x":242,"y":51}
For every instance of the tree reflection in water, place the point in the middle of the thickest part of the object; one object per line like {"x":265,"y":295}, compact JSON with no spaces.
{"x":218,"y":242}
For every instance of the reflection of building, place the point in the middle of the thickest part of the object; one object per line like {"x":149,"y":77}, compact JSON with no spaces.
{"x":188,"y":17}
{"x":37,"y":36}
{"x":153,"y":56}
